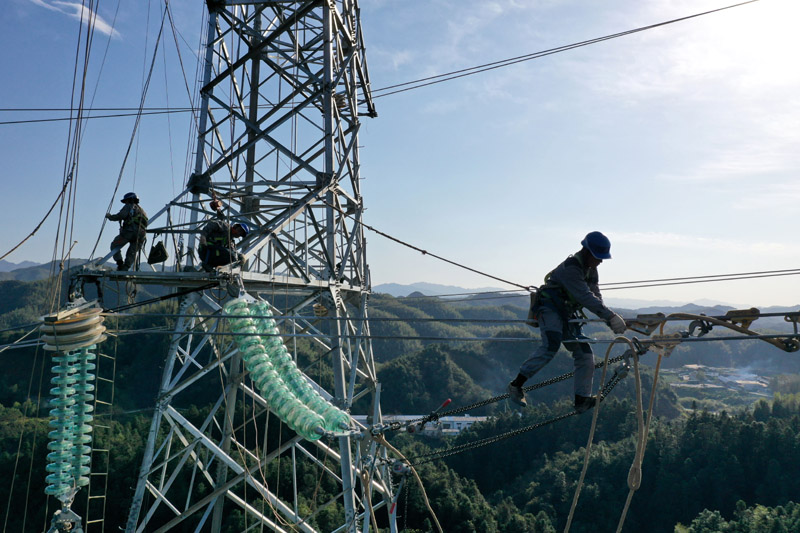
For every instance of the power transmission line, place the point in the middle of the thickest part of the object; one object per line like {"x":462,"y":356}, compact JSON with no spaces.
{"x":402,"y":87}
{"x":115,"y":115}
{"x":440,"y":78}
{"x":166,"y":331}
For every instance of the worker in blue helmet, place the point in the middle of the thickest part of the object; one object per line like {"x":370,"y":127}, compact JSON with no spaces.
{"x":132,"y":232}
{"x":567,"y":290}
{"x":217,"y":247}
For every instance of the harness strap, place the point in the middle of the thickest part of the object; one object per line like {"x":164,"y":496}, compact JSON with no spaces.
{"x":138,"y":217}
{"x":562,"y":301}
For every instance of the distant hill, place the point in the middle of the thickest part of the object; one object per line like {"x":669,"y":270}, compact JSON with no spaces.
{"x":419,"y":289}
{"x":37,"y":271}
{"x":633,"y":303}
{"x":428,"y":289}
{"x":25,"y":292}
{"x":488,"y":296}
{"x":8,"y":266}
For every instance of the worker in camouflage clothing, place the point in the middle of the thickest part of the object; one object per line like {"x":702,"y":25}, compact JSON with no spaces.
{"x":132,"y":231}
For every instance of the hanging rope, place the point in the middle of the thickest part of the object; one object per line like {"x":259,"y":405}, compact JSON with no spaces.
{"x":135,"y":128}
{"x":380,"y":439}
{"x":635,"y":472}
{"x":591,"y":431}
{"x":39,"y":225}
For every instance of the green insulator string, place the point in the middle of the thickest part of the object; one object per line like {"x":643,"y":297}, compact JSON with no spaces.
{"x":82,"y":438}
{"x":72,"y":336}
{"x":276,"y":376}
{"x":60,"y":480}
{"x":335,"y":418}
{"x":70,"y":453}
{"x":268,"y":382}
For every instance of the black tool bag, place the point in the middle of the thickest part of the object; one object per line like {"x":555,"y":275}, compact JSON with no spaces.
{"x":158,"y":253}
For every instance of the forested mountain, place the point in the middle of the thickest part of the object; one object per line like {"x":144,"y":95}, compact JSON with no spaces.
{"x":728,"y":470}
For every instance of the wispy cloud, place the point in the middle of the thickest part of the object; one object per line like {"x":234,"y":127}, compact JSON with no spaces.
{"x":771,"y":196}
{"x":755,"y":158}
{"x":472,"y":31}
{"x":729,"y":71}
{"x":707,"y":244}
{"x":748,"y":144}
{"x":400,"y":58}
{"x":79,"y":12}
{"x":746,"y":50}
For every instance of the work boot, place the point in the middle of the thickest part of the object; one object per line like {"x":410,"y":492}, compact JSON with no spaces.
{"x":122,"y":267}
{"x":584,"y":403}
{"x":517,"y":395}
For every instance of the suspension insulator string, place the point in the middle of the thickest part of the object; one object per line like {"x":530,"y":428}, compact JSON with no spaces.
{"x":62,"y":418}
{"x":82,"y":438}
{"x":72,"y":336}
{"x":276,"y":375}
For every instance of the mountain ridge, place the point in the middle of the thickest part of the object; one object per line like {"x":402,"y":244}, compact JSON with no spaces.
{"x":399,"y":290}
{"x":8,"y":266}
{"x":39,"y":271}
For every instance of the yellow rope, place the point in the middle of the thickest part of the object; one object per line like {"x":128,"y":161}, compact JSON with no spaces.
{"x":591,"y":432}
{"x":635,"y":473}
{"x":368,"y":495}
{"x":381,"y":440}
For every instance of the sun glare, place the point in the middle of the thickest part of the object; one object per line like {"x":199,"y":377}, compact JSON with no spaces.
{"x":764,"y":40}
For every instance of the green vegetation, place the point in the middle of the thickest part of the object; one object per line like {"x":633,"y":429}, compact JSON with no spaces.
{"x":713,"y":462}
{"x":705,"y":461}
{"x":758,"y":519}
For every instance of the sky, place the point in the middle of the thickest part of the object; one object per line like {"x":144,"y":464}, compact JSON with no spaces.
{"x":680,"y":143}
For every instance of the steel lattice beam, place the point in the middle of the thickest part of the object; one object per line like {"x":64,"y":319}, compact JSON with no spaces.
{"x":282,"y":154}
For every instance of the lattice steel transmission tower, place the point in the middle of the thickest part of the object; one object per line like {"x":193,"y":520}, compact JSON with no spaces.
{"x":284,"y":86}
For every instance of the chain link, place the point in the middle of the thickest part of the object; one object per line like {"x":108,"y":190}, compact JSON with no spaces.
{"x":458,"y":410}
{"x":405,"y":507}
{"x":441,"y":454}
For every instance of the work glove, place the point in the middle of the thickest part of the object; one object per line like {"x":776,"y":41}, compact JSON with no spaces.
{"x":617,"y":324}
{"x":108,"y":216}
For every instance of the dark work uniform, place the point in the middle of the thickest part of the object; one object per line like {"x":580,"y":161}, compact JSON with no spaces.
{"x":216,"y":245}
{"x":132,"y":232}
{"x":569,"y":288}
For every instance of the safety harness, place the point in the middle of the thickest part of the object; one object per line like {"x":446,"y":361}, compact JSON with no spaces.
{"x":554,"y":294}
{"x":218,"y":239}
{"x":137,"y":218}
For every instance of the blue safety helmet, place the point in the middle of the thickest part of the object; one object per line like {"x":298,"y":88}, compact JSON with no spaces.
{"x":244,"y":227}
{"x":598,"y":245}
{"x":130,"y":197}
